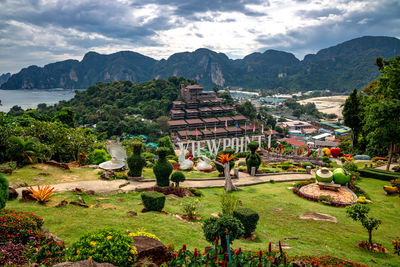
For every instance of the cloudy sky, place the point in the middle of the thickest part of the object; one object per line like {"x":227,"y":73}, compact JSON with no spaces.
{"x":37,"y":32}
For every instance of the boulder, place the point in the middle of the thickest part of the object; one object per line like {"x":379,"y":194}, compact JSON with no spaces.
{"x":107,"y":175}
{"x":85,"y":263}
{"x":318,"y":217}
{"x":26,"y":195}
{"x":61,"y":165}
{"x":150,"y":249}
{"x":12,"y":193}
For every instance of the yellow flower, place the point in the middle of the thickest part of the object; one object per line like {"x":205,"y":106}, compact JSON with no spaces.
{"x":92,"y":243}
{"x":109,"y":237}
{"x":78,"y":252}
{"x":197,"y":200}
{"x":180,"y":204}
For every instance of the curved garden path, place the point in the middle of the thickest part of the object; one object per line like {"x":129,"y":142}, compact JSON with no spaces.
{"x":124,"y":186}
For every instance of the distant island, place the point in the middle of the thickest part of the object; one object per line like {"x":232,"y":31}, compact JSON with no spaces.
{"x":339,"y":68}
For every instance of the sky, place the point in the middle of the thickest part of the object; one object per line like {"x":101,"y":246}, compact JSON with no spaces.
{"x":38,"y":32}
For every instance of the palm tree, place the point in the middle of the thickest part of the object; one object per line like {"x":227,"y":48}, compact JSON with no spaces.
{"x":20,"y":150}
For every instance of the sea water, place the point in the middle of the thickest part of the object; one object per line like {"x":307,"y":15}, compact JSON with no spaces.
{"x":30,"y":98}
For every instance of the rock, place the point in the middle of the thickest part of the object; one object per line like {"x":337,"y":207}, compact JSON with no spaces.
{"x":44,"y":173}
{"x":123,"y":185}
{"x":277,"y":209}
{"x":48,"y":234}
{"x":150,"y":250}
{"x":62,"y":203}
{"x":284,"y":246}
{"x":318,"y":217}
{"x":78,"y":204}
{"x":78,"y":190}
{"x":107,"y":175}
{"x":26,"y":195}
{"x":215,"y":214}
{"x":90,"y":192}
{"x":38,"y":179}
{"x":93,"y":166}
{"x":61,"y":165}
{"x":12,"y":193}
{"x":85,"y":263}
{"x":131,"y":212}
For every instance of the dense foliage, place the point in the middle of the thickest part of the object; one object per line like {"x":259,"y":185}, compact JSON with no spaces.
{"x":136,"y":161}
{"x":104,"y":245}
{"x":178,"y":177}
{"x":153,"y":200}
{"x":248,"y":218}
{"x":162,"y":168}
{"x":253,"y":159}
{"x":3,"y":191}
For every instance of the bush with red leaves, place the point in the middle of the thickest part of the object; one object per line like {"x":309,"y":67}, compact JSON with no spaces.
{"x":13,"y":254}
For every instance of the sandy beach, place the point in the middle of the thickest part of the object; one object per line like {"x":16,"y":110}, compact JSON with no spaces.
{"x":327,"y":104}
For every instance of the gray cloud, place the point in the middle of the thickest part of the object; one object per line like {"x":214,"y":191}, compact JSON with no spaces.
{"x":37,"y":32}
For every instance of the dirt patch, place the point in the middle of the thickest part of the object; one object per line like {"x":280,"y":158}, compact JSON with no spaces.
{"x":318,"y":217}
{"x":328,"y":104}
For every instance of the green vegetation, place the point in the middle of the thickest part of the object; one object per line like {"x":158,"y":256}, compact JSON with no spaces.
{"x":359,"y":212}
{"x":3,"y":191}
{"x":162,"y":168}
{"x":379,"y":174}
{"x":178,"y":177}
{"x":136,"y":161}
{"x":253,"y":159}
{"x":153,"y":200}
{"x":248,"y":218}
{"x":272,"y":226}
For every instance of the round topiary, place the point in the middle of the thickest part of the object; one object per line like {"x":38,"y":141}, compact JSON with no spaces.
{"x":217,"y":227}
{"x":178,"y":177}
{"x":162,"y":168}
{"x":104,"y":245}
{"x":136,"y":161}
{"x":153,"y":200}
{"x":3,"y":191}
{"x":253,"y":159}
{"x":230,"y":151}
{"x":248,"y":218}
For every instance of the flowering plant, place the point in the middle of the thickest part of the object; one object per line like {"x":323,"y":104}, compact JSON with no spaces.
{"x":190,"y":207}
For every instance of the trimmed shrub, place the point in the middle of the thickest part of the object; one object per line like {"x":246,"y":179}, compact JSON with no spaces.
{"x":3,"y":191}
{"x":306,"y":164}
{"x":249,"y":218}
{"x":18,"y":227}
{"x":178,"y":177}
{"x":98,"y":156}
{"x":379,"y":174}
{"x":136,"y":162}
{"x":230,"y":151}
{"x":104,"y":245}
{"x":166,"y":142}
{"x":326,"y":159}
{"x":253,"y":159}
{"x":350,"y":166}
{"x":149,"y":156}
{"x":162,"y":168}
{"x":195,"y":191}
{"x":216,"y":228}
{"x":153,"y":200}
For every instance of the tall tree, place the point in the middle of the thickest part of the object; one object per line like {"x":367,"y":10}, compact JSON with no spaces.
{"x":382,"y":118}
{"x":352,"y":115}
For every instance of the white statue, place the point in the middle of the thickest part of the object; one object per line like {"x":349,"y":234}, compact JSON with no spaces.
{"x":184,"y":164}
{"x":204,"y":164}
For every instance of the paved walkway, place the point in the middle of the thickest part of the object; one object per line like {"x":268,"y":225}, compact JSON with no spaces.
{"x":124,"y":186}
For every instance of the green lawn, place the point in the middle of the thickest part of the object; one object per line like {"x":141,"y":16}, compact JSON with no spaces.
{"x":314,"y":237}
{"x":43,"y":174}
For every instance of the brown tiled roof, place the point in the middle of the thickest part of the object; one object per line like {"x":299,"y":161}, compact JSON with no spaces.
{"x":194,"y":86}
{"x":239,"y":117}
{"x":210,"y":120}
{"x":177,"y":123}
{"x":177,"y":111}
{"x":190,"y":133}
{"x":204,"y":109}
{"x":178,"y":103}
{"x":207,"y":132}
{"x":191,"y":111}
{"x":233,"y":129}
{"x":194,"y":121}
{"x":225,"y":119}
{"x":219,"y":130}
{"x":216,"y":109}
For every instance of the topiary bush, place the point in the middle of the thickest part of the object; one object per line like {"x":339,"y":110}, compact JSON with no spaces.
{"x":216,"y":228}
{"x":162,"y":168}
{"x":249,"y":218}
{"x":350,"y":166}
{"x":166,"y":142}
{"x":153,"y":200}
{"x":326,"y":159}
{"x":253,"y":159}
{"x":136,"y":161}
{"x":104,"y":245}
{"x":3,"y":191}
{"x":178,"y":177}
{"x":230,"y":151}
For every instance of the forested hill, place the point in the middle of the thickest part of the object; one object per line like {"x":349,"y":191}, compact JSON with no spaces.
{"x":113,"y":106}
{"x":338,"y":68}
